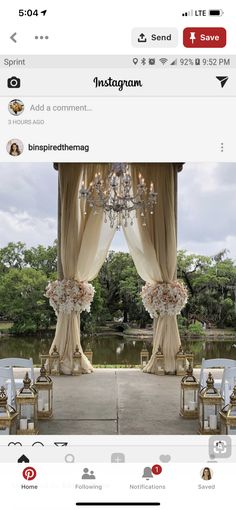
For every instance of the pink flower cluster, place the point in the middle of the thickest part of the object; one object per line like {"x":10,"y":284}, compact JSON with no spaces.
{"x":164,"y":298}
{"x":70,"y":296}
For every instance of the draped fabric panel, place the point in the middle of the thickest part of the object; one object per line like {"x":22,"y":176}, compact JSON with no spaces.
{"x":85,"y":240}
{"x":154,"y":251}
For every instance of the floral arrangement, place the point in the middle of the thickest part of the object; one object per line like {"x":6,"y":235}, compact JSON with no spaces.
{"x":164,"y":298}
{"x":70,"y":296}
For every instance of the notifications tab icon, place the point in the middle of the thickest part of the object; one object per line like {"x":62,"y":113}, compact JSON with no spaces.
{"x":223,"y":80}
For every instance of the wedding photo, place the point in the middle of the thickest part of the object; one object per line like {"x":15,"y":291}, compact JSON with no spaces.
{"x":117,"y":298}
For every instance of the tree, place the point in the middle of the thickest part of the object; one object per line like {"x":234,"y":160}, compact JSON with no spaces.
{"x":17,"y":256}
{"x":121,"y":286}
{"x":89,"y":321}
{"x":42,"y":258}
{"x":12,"y":256}
{"x":212,"y":287}
{"x":22,"y":300}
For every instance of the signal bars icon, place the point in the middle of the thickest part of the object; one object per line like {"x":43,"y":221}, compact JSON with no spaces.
{"x":188,"y":13}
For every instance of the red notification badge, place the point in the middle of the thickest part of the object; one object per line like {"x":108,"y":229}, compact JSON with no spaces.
{"x":156,"y":469}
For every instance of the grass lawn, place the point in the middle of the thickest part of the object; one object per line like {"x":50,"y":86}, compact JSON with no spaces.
{"x":5,"y":326}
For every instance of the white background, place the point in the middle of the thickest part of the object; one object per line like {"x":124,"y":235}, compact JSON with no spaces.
{"x":104,"y":26}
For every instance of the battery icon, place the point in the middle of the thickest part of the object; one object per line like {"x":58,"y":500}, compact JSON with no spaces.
{"x":216,"y":12}
{"x":197,"y":62}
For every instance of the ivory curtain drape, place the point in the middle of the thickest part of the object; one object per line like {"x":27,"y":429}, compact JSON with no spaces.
{"x":154,"y":251}
{"x":84,"y":243}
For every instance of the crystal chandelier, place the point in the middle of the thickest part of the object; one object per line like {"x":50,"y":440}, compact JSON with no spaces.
{"x":117,"y":198}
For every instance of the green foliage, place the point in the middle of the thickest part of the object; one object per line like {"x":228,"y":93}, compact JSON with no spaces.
{"x":24,"y":274}
{"x":121,"y":286}
{"x":90,"y":320}
{"x":12,"y":256}
{"x":42,"y":259}
{"x":17,"y":256}
{"x":182,"y":324}
{"x":211,"y":282}
{"x":196,"y":329}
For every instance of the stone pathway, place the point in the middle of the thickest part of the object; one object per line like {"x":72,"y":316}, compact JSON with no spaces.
{"x":117,"y":401}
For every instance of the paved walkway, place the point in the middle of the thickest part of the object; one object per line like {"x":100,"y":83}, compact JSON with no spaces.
{"x":117,"y":401}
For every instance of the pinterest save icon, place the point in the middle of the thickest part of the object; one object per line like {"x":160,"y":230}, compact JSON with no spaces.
{"x":29,"y":473}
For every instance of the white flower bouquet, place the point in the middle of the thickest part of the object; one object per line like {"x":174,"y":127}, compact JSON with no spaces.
{"x":164,"y":298}
{"x":70,"y":296}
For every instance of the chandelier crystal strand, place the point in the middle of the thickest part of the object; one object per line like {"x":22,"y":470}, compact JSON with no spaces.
{"x":116,"y":197}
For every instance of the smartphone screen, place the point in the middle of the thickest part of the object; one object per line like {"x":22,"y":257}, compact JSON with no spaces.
{"x":117,"y":254}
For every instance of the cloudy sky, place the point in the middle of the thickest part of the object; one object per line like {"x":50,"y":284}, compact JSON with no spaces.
{"x":206,"y":206}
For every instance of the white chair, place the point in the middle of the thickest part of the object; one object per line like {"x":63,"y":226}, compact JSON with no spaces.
{"x":208,"y":364}
{"x":7,"y":380}
{"x":19,"y":363}
{"x":228,"y":383}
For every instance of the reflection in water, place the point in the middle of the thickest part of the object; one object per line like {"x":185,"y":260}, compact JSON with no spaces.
{"x":114,"y":349}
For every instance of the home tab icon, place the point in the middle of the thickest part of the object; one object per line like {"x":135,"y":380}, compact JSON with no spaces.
{"x":23,"y":458}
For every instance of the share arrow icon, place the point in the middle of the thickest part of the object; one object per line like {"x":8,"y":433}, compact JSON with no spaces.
{"x":222,"y":80}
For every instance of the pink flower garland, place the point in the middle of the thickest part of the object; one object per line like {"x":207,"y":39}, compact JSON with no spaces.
{"x":164,"y":298}
{"x":70,"y":296}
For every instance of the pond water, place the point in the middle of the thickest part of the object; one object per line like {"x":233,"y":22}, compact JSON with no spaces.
{"x":115,"y":349}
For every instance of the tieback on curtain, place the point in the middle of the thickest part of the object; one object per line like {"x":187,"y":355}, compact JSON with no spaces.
{"x":164,"y":298}
{"x":70,"y":296}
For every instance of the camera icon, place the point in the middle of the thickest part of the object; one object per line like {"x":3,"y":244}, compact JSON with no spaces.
{"x":13,"y":82}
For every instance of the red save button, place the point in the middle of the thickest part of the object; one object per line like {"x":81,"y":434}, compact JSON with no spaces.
{"x":204,"y":37}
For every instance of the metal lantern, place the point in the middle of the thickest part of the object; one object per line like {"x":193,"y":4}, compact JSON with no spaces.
{"x":228,"y":416}
{"x":189,"y":395}
{"x":54,"y":362}
{"x":76,"y":360}
{"x":8,"y":415}
{"x":144,"y":356}
{"x":27,"y":405}
{"x":159,"y":362}
{"x":45,"y":360}
{"x":51,"y":362}
{"x":210,"y":404}
{"x":180,"y":362}
{"x":44,"y":389}
{"x":89,"y":354}
{"x":189,"y":356}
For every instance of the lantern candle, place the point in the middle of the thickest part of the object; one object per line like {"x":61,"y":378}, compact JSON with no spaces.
{"x":76,"y":360}
{"x":8,"y":414}
{"x":23,"y":423}
{"x":213,"y":421}
{"x":40,"y":404}
{"x":44,"y":387}
{"x":210,"y":403}
{"x":189,"y":395}
{"x":27,"y":403}
{"x":159,"y":362}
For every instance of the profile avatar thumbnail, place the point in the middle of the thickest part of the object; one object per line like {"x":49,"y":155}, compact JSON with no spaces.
{"x":16,"y":107}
